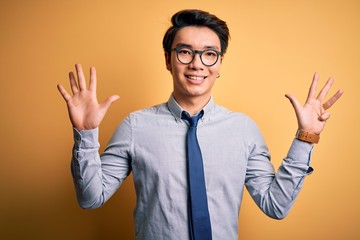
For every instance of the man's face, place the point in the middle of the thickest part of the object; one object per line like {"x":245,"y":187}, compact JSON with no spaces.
{"x":193,"y":80}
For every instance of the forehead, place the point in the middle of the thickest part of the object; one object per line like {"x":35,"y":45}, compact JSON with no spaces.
{"x":197,"y":37}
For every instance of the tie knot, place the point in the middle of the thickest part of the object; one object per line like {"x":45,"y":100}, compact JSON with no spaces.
{"x":193,"y":121}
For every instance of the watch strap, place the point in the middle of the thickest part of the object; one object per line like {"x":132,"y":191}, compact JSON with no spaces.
{"x":307,"y":137}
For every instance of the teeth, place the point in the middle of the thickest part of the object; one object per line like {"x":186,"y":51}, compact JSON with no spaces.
{"x":195,"y":77}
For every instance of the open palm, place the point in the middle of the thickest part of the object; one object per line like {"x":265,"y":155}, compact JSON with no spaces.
{"x":312,"y":115}
{"x":84,"y":110}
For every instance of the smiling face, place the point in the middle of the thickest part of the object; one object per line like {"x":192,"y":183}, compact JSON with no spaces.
{"x":193,"y":81}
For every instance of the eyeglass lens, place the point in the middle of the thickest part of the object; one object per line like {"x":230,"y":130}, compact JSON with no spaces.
{"x":208,"y":57}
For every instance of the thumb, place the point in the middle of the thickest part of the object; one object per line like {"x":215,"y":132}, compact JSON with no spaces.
{"x":106,"y":104}
{"x":294,"y":102}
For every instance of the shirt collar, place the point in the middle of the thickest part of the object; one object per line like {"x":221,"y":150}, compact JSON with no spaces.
{"x":176,"y":110}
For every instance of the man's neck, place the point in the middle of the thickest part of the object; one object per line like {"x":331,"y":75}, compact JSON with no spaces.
{"x":192,"y":104}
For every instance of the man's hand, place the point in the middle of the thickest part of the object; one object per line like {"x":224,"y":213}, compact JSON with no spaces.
{"x":312,"y":116}
{"x":84,"y":110}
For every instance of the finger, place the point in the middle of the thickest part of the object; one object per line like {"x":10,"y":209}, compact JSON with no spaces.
{"x":81,"y":78}
{"x":313,"y":87}
{"x":92,"y":84}
{"x":333,"y":99}
{"x":325,"y":116}
{"x":294,"y":102}
{"x":74,"y":87}
{"x":324,"y":91}
{"x":106,"y":104}
{"x":63,"y":92}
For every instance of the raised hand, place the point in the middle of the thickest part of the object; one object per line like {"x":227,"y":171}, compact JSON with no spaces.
{"x":312,"y":116}
{"x":84,"y":110}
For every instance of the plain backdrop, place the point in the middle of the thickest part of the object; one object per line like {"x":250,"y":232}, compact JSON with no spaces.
{"x":275,"y":48}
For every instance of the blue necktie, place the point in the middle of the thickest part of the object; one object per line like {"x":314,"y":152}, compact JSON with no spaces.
{"x":199,"y":219}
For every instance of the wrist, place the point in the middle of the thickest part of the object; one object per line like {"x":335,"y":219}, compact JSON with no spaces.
{"x":305,"y":136}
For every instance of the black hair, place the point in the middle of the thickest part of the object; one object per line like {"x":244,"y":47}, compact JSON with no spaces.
{"x":194,"y":17}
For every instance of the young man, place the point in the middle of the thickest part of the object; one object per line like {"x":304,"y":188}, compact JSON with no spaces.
{"x":184,"y":193}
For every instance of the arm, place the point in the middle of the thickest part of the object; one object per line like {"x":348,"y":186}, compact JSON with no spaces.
{"x":97,"y":177}
{"x":275,"y":194}
{"x":86,"y":114}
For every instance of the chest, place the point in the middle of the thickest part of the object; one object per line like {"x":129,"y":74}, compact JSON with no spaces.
{"x":160,"y":152}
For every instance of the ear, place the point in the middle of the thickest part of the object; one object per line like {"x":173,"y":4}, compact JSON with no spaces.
{"x":167,"y":61}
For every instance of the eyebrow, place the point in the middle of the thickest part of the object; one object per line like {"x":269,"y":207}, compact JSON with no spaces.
{"x":189,"y":46}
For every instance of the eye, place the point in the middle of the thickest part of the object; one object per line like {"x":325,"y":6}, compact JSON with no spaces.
{"x":185,"y":51}
{"x":210,"y":53}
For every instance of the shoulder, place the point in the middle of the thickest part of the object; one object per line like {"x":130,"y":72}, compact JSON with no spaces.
{"x":152,"y":111}
{"x":141,"y":118}
{"x":149,"y":116}
{"x":236,"y":116}
{"x":236,"y":120}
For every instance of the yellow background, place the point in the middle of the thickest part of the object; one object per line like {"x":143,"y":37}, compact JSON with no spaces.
{"x":275,"y":48}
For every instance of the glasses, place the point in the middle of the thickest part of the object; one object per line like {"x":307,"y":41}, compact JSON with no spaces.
{"x":186,"y":55}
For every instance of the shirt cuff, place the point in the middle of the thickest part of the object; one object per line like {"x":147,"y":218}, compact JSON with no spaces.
{"x":301,"y":151}
{"x":85,"y":139}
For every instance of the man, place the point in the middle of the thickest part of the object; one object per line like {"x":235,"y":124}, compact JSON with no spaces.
{"x":160,"y":148}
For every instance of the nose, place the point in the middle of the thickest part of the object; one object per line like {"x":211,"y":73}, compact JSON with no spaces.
{"x":196,"y":62}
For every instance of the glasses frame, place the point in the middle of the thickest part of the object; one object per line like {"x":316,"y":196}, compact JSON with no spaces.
{"x":178,"y":49}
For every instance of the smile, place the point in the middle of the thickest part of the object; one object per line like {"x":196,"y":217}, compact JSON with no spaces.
{"x":196,"y":78}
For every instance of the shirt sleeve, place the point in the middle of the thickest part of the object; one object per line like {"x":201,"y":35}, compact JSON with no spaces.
{"x":275,"y":192}
{"x":97,"y":177}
